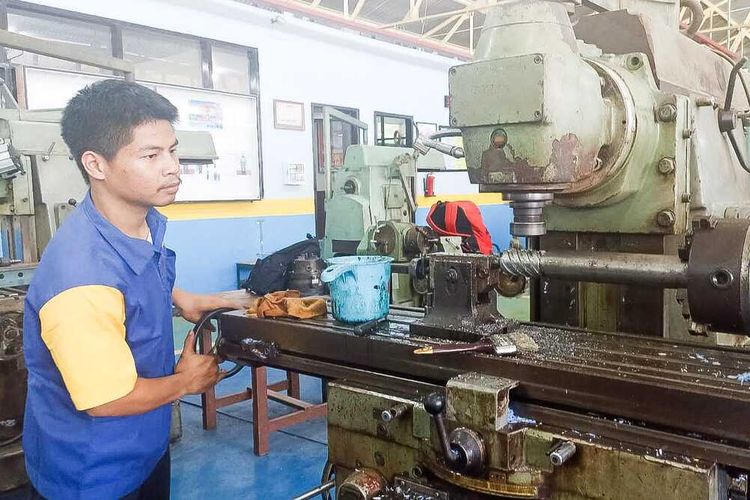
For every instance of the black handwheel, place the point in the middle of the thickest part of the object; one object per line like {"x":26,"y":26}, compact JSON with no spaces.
{"x":204,"y":323}
{"x":728,"y":117}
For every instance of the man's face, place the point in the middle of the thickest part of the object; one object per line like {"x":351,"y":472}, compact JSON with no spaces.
{"x":146,"y":172}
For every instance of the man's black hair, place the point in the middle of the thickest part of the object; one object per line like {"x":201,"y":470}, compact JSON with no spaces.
{"x":101,"y":117}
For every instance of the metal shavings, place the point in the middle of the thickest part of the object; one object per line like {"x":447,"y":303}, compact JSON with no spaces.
{"x":517,"y":419}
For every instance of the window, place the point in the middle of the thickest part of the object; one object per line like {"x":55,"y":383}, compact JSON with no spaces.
{"x":230,"y":69}
{"x":162,"y":57}
{"x":56,"y":29}
{"x":393,"y":130}
{"x":213,"y":84}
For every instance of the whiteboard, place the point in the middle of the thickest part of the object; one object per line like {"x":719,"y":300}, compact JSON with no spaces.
{"x":232,"y":121}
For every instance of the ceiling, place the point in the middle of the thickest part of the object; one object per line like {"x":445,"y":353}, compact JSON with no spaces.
{"x":452,"y":27}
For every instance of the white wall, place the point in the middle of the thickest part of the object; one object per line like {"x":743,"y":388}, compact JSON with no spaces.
{"x":300,"y":61}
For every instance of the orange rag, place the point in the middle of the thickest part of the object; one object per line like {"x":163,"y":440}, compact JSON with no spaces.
{"x":289,"y":304}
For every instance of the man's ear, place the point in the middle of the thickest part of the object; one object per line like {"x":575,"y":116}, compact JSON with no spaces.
{"x":94,"y":164}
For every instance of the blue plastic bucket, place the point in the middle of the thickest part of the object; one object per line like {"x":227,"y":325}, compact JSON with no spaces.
{"x":359,"y":287}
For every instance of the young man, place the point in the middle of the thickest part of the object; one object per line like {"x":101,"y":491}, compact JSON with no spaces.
{"x":98,"y":316}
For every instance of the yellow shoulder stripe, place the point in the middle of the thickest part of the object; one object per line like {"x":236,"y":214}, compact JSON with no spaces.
{"x":84,"y":329}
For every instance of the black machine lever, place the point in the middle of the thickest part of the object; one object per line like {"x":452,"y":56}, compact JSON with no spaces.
{"x":434,"y":404}
{"x":463,"y":449}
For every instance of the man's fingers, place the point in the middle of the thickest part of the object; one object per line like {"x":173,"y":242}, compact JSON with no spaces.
{"x":189,"y":346}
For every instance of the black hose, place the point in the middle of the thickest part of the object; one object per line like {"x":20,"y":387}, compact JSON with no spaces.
{"x":732,"y":81}
{"x":202,"y":324}
{"x":737,"y":151}
{"x":740,"y":74}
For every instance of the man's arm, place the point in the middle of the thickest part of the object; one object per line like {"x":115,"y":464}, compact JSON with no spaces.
{"x":194,"y":374}
{"x":193,"y":306}
{"x":84,"y":329}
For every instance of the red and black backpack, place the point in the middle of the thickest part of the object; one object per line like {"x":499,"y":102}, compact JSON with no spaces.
{"x":464,"y":219}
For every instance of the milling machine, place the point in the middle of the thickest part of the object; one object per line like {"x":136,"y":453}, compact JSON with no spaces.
{"x":616,"y":140}
{"x":370,"y":210}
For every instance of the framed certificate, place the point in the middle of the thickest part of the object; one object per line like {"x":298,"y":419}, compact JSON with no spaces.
{"x":288,"y":115}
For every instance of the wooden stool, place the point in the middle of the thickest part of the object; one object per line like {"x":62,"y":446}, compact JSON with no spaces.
{"x":260,"y":392}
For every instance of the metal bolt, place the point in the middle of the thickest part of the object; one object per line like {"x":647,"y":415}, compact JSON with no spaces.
{"x":666,"y":165}
{"x":686,"y":197}
{"x":451,"y":275}
{"x":665,"y":218}
{"x":667,"y":112}
{"x":704,"y":101}
{"x":634,"y":62}
{"x":454,"y":121}
{"x":379,"y":458}
{"x":537,"y":113}
{"x":538,"y":59}
{"x":722,"y":278}
{"x":687,"y":133}
{"x":452,"y":71}
{"x":417,"y":471}
{"x":394,"y":412}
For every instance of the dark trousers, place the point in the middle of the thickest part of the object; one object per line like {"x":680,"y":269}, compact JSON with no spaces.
{"x":155,"y":487}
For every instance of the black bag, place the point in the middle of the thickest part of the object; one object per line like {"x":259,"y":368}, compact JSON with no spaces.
{"x":270,"y":273}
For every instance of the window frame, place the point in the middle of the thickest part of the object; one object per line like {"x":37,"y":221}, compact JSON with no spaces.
{"x":379,"y":130}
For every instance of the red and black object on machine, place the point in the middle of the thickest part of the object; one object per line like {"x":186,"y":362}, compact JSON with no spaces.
{"x":464,"y":219}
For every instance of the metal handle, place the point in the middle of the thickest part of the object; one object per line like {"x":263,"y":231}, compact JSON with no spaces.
{"x":332,"y":272}
{"x":323,"y":488}
{"x":434,"y":404}
{"x":365,"y":328}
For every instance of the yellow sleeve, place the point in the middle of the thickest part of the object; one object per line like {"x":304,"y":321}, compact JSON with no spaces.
{"x":84,"y":329}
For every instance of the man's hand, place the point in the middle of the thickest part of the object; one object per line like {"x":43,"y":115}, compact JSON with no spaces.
{"x":200,"y":372}
{"x":194,"y":306}
{"x":194,"y":374}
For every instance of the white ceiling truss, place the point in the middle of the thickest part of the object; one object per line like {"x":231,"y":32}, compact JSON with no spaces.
{"x":452,"y":27}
